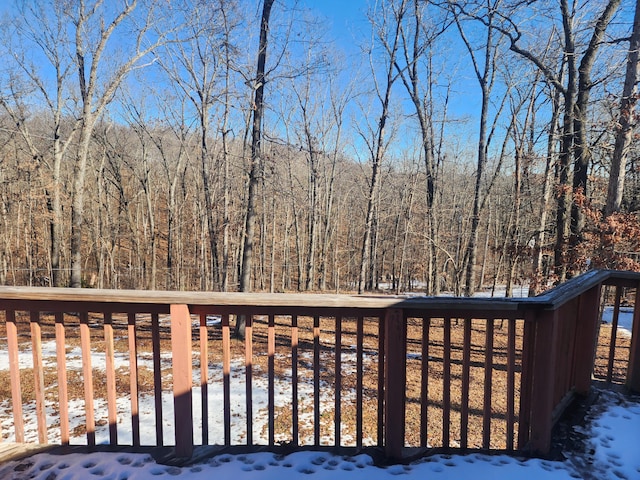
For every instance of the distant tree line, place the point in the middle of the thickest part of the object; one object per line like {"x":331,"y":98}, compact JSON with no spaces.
{"x":231,"y":145}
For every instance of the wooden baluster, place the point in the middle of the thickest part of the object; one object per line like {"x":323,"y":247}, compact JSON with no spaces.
{"x":61,"y":366}
{"x":338,"y":381}
{"x":294,"y":379}
{"x":204,"y":377}
{"x":157,"y":377}
{"x":14,"y":373}
{"x":111,"y":379}
{"x":38,"y":376}
{"x":87,"y":374}
{"x":226,"y":374}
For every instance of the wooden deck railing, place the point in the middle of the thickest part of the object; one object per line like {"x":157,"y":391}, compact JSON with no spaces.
{"x":430,"y":373}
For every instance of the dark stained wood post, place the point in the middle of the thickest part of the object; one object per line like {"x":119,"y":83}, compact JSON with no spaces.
{"x":543,"y":380}
{"x":182,"y":379}
{"x":586,"y":339}
{"x":633,"y":371}
{"x":395,"y":382}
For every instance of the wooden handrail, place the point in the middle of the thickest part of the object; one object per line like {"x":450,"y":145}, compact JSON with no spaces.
{"x":547,"y":300}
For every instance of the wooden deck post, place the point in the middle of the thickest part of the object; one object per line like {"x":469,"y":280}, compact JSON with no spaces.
{"x":182,"y":379}
{"x":543,"y":381}
{"x":395,"y":383}
{"x":633,"y":370}
{"x":586,"y":339}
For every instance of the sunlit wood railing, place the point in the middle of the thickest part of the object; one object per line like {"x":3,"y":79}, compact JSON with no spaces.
{"x":384,"y":372}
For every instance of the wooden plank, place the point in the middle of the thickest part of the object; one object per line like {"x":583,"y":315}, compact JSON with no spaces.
{"x":511,"y":382}
{"x":614,"y":334}
{"x":181,"y":351}
{"x":61,"y":364}
{"x":87,"y":374}
{"x":133,"y":378}
{"x":337,"y":419}
{"x":38,"y":376}
{"x":633,"y":370}
{"x":395,"y":384}
{"x":271,"y":351}
{"x":382,"y":340}
{"x":542,"y":382}
{"x":316,"y":380}
{"x":13,"y":452}
{"x":14,"y":374}
{"x":112,"y":409}
{"x":526,"y":382}
{"x":294,"y":380}
{"x":586,"y":339}
{"x":466,"y":367}
{"x":424,"y":384}
{"x":248,"y":364}
{"x":359,"y":379}
{"x":226,"y":378}
{"x":157,"y":377}
{"x":446,"y":384}
{"x":488,"y":386}
{"x":121,"y":298}
{"x":204,"y":377}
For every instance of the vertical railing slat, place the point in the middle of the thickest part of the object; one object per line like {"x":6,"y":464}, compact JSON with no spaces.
{"x":338,"y":381}
{"x":294,"y":379}
{"x":248,"y":365}
{"x":111,"y":379}
{"x":526,"y":384}
{"x":359,"y":379}
{"x":157,"y":377}
{"x":14,"y":373}
{"x":382,"y":331}
{"x":204,"y":377}
{"x":226,"y":377}
{"x":271,"y":351}
{"x":614,"y":334}
{"x":466,"y":366}
{"x":133,"y":378}
{"x":316,"y":380}
{"x":446,"y":384}
{"x":61,"y":366}
{"x":424,"y":384}
{"x":38,"y":376}
{"x":488,"y":386}
{"x":87,"y":374}
{"x":511,"y":380}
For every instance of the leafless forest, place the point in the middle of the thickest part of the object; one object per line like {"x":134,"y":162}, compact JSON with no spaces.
{"x":239,"y":145}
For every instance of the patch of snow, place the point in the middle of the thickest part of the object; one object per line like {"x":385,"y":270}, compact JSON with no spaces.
{"x":614,"y":433}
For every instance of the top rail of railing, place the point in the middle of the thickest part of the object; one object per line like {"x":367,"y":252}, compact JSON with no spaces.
{"x":163,"y":299}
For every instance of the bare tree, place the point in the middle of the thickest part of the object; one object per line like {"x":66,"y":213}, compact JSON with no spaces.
{"x":388,"y":33}
{"x":625,"y":122}
{"x":94,"y":25}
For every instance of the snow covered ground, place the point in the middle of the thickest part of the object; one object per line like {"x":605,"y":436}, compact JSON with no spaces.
{"x":612,"y":433}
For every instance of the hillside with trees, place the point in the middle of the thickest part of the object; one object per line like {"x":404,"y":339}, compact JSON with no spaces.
{"x":232,"y":145}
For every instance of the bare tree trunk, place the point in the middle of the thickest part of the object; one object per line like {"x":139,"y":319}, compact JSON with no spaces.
{"x":256,"y":153}
{"x":256,"y":162}
{"x":625,"y":123}
{"x":379,"y":147}
{"x":582,"y":156}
